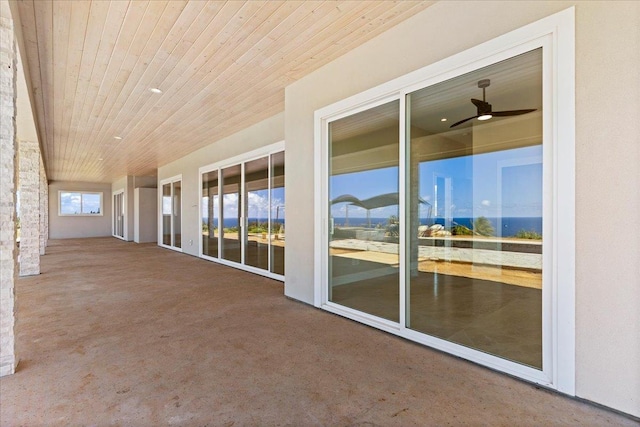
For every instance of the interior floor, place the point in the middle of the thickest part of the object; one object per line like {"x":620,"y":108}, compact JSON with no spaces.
{"x":497,"y":318}
{"x":118,"y":333}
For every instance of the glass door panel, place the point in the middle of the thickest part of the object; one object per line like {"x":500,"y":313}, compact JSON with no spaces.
{"x":166,"y":214}
{"x":256,"y":184}
{"x":364,"y":215}
{"x":118,"y":215}
{"x":177,"y":214}
{"x":475,"y":210}
{"x":231,"y":213}
{"x":114,"y":216}
{"x":210,"y":207}
{"x":276,"y":231}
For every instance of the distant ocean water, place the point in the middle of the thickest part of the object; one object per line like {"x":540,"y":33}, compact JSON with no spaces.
{"x":233,"y":222}
{"x":510,"y":226}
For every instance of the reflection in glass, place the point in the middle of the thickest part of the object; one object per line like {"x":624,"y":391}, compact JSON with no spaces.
{"x":231,"y":212}
{"x":364,"y":223}
{"x":91,"y":203}
{"x":118,"y":215}
{"x":210,"y":209}
{"x":70,"y":203}
{"x":475,"y":212}
{"x":166,"y":214}
{"x":177,"y":215}
{"x":256,"y":184}
{"x":276,"y":231}
{"x":114,"y":217}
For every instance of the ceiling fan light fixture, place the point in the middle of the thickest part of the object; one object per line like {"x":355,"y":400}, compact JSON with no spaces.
{"x":484,"y":109}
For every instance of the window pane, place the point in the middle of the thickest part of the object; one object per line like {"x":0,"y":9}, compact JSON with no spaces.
{"x":70,"y":203}
{"x":231,"y":213}
{"x":364,"y":223}
{"x":256,"y":181}
{"x":91,"y":203}
{"x":276,"y":238}
{"x":475,"y":210}
{"x":166,"y":214}
{"x":210,"y":214}
{"x":177,"y":214}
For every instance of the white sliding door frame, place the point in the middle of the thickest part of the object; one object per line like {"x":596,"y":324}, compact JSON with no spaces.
{"x":123,"y":209}
{"x":556,"y":36}
{"x":171,"y":181}
{"x":241,"y":160}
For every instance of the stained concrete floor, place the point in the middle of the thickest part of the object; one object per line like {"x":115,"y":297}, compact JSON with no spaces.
{"x":115,"y":333}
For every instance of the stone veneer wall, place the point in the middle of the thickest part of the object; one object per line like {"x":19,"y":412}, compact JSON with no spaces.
{"x":8,"y":247}
{"x":44,"y":209}
{"x":29,"y":185}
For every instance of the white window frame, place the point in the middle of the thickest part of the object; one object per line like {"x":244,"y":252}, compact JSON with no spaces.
{"x":82,"y":193}
{"x":172,"y":180}
{"x":241,"y":159}
{"x":124,"y":215}
{"x":556,"y":35}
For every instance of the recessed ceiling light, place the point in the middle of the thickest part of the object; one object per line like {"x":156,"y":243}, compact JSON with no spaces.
{"x":117,"y":137}
{"x":100,"y":159}
{"x":444,"y":119}
{"x":155,"y":90}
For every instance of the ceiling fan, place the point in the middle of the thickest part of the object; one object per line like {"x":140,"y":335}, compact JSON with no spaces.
{"x":484,"y":108}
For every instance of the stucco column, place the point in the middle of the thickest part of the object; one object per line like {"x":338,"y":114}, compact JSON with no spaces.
{"x":29,"y":185}
{"x":8,"y":248}
{"x":44,"y":209}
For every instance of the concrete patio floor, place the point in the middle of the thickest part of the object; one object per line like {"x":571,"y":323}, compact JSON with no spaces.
{"x":116,"y":333}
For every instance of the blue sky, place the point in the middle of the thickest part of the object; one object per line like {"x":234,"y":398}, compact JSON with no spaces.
{"x":258,"y":202}
{"x":77,"y":203}
{"x":467,"y":186}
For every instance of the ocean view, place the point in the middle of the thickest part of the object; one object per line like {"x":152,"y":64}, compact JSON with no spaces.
{"x":233,"y":222}
{"x":510,"y":226}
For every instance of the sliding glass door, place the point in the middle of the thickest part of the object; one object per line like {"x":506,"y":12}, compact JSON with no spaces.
{"x":231,"y":213}
{"x":276,"y":211}
{"x":210,"y":214}
{"x":475,"y":211}
{"x":118,"y":214}
{"x":435,"y":213}
{"x":243,"y":207}
{"x":256,"y":196}
{"x":171,"y":212}
{"x":364,"y":221}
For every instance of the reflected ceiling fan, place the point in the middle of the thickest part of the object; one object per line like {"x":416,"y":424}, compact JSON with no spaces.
{"x":484,"y":108}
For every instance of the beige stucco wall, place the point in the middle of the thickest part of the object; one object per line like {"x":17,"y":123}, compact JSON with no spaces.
{"x":607,"y":162}
{"x":65,"y":227}
{"x":267,"y":132}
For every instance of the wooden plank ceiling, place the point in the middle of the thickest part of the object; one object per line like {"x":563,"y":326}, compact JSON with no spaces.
{"x":221,"y":66}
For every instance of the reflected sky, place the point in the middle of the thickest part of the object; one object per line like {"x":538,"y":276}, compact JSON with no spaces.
{"x":504,"y":183}
{"x":79,"y":203}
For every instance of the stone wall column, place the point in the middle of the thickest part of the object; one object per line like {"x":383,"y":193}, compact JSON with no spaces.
{"x":29,"y":185}
{"x":8,"y":248}
{"x":44,"y":209}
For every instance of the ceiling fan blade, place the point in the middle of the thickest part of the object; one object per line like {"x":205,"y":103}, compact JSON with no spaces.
{"x":479,"y":103}
{"x":512,"y":112}
{"x":462,"y":121}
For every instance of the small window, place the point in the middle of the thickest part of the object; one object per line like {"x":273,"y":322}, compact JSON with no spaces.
{"x":79,"y":203}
